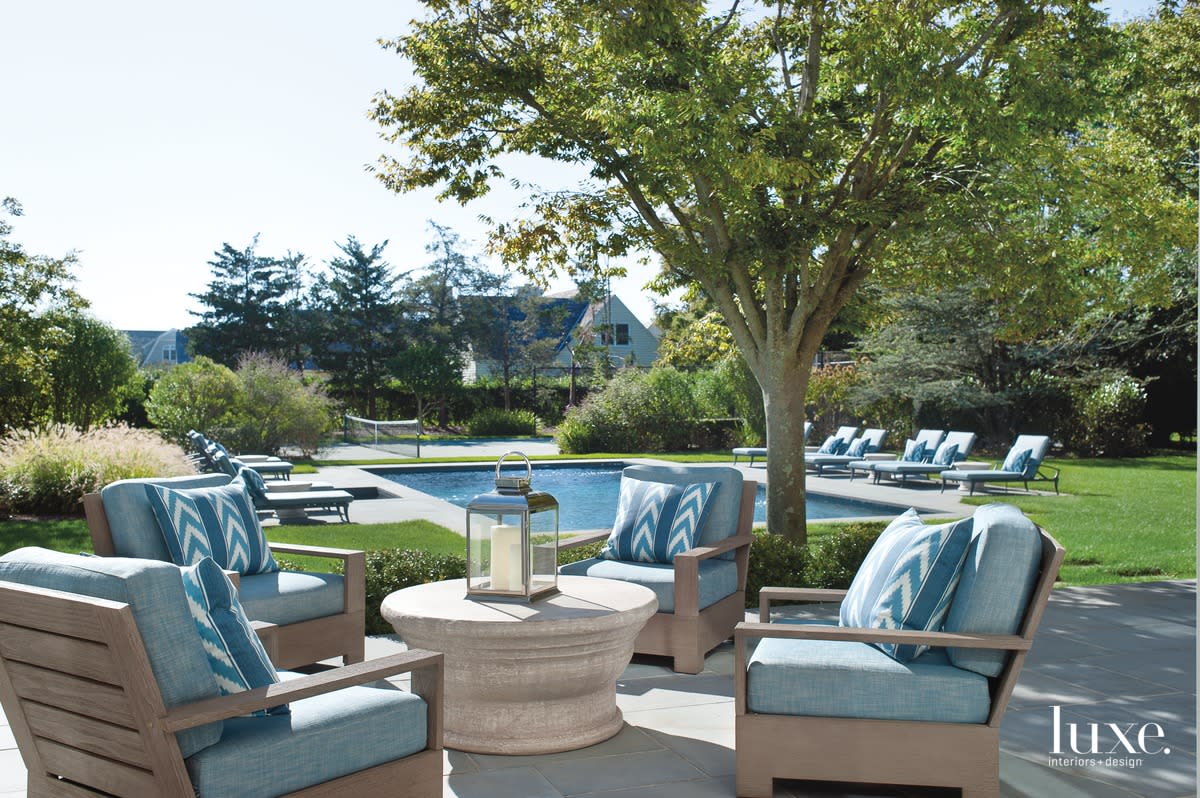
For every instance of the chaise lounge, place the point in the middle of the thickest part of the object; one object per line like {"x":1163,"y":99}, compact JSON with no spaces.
{"x":954,"y":448}
{"x":869,"y":442}
{"x":761,"y":451}
{"x":1023,"y":463}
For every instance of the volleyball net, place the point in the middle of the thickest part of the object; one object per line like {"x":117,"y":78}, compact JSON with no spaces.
{"x":398,"y":437}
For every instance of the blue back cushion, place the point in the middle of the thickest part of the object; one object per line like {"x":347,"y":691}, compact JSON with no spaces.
{"x":721,"y":517}
{"x":998,"y":577}
{"x":135,"y":530}
{"x":236,"y":655}
{"x":657,"y":520}
{"x":154,"y":592}
{"x":218,"y":522}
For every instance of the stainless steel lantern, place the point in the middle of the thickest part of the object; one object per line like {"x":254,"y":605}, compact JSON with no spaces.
{"x":512,"y":539}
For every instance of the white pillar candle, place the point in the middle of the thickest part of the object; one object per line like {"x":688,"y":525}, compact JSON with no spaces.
{"x":506,"y":557}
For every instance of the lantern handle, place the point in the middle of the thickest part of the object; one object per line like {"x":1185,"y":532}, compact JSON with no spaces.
{"x":528,"y":465}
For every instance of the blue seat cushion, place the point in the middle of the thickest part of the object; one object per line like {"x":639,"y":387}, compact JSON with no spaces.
{"x":154,"y":592}
{"x":657,"y":520}
{"x":135,"y":531}
{"x":981,"y":475}
{"x":721,"y":517}
{"x":325,"y":737}
{"x":237,"y":657}
{"x":834,"y":678}
{"x":284,"y":597}
{"x":718,"y":578}
{"x":998,"y":576}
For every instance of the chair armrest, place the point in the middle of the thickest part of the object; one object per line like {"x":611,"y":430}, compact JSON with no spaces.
{"x":862,"y":635}
{"x":720,"y":547}
{"x":314,"y":551}
{"x":806,"y":594}
{"x":583,"y":540}
{"x":198,"y":713}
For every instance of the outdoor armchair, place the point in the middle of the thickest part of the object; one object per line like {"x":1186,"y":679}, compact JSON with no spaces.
{"x":868,"y":702}
{"x":316,"y":616}
{"x":701,"y":591}
{"x":112,"y":685}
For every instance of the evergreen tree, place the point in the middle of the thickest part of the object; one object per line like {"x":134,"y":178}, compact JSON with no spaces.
{"x":244,"y":302}
{"x":358,"y":306}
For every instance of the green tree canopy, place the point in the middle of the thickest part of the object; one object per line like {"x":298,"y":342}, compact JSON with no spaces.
{"x":358,"y":309}
{"x":244,"y":304}
{"x":36,"y":294}
{"x":768,"y":152}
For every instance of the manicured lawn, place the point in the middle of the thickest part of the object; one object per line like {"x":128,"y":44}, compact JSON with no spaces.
{"x":1120,"y":520}
{"x":1124,"y":520}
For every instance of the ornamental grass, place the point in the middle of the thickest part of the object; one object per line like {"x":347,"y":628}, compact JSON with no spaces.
{"x":47,"y":471}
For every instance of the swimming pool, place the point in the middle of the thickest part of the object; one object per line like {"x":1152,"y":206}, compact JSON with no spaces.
{"x":587,"y":493}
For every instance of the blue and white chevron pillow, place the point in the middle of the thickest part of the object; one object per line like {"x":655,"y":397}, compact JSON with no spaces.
{"x":218,"y":522}
{"x":657,"y":520}
{"x":235,"y":654}
{"x":1017,"y":461}
{"x":859,"y":602}
{"x":916,"y":593}
{"x":914,"y":451}
{"x":945,"y":454}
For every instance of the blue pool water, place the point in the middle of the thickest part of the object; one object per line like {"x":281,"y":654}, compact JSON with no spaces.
{"x":587,"y":494}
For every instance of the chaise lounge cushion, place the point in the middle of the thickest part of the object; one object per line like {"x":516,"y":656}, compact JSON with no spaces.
{"x":657,"y":520}
{"x":217,"y":521}
{"x":325,"y":737}
{"x":718,"y":578}
{"x":286,"y":597}
{"x":154,"y":592}
{"x":835,"y":678}
{"x":135,"y":531}
{"x":998,"y":575}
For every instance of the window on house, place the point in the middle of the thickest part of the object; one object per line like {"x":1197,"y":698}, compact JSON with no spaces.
{"x":168,"y":354}
{"x":622,"y":334}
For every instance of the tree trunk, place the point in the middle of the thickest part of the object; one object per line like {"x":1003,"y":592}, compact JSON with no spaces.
{"x":783,"y":403}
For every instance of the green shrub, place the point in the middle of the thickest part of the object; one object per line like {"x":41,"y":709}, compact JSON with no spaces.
{"x":395,"y":569}
{"x":580,"y":552}
{"x":637,"y":411}
{"x":1109,"y":419}
{"x":775,"y":561}
{"x":829,"y":562}
{"x":495,"y":421}
{"x":836,"y":558}
{"x":261,"y":407}
{"x":48,"y":471}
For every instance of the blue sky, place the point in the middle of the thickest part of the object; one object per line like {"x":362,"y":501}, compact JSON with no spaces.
{"x":143,"y":135}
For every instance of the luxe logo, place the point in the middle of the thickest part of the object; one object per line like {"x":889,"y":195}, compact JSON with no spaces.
{"x":1111,"y":744}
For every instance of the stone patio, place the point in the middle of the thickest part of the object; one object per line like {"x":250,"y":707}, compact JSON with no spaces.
{"x":1119,"y":654}
{"x":1123,"y":654}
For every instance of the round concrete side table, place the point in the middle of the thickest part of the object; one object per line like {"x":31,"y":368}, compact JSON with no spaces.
{"x":530,"y":678}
